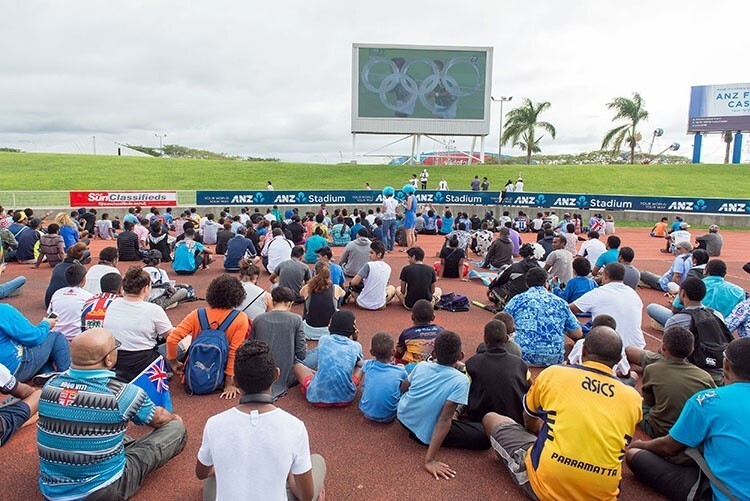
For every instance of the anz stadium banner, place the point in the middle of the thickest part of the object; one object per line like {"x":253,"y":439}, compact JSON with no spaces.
{"x":532,"y":200}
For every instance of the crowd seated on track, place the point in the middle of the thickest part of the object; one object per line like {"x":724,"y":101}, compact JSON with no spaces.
{"x":566,"y":303}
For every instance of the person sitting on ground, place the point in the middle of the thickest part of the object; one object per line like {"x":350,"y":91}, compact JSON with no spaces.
{"x":497,"y":364}
{"x":542,"y":321}
{"x":138,"y":340}
{"x":430,"y":223}
{"x":452,"y":260}
{"x":432,"y":393}
{"x":563,"y":406}
{"x":559,"y":262}
{"x":190,"y":255}
{"x":546,"y":241}
{"x":356,"y":254}
{"x":577,"y":286}
{"x":128,"y":248}
{"x":381,"y":381}
{"x":698,"y":268}
{"x":669,"y":380}
{"x":739,"y":320}
{"x":257,"y":300}
{"x":223,"y":237}
{"x":158,"y":239}
{"x":711,"y":242}
{"x":28,"y":243}
{"x":27,"y":349}
{"x":512,"y":281}
{"x":13,"y":286}
{"x":239,"y":248}
{"x":500,"y":253}
{"x":283,"y":332}
{"x":463,"y":236}
{"x":592,"y":248}
{"x":369,"y":288}
{"x":321,"y":297}
{"x":677,"y":236}
{"x":104,"y":228}
{"x":339,"y":362}
{"x":721,"y":295}
{"x":417,"y":280}
{"x":66,"y":303}
{"x":100,"y":463}
{"x":275,"y":250}
{"x":57,"y":279}
{"x":51,"y":247}
{"x":209,"y":229}
{"x":416,"y":343}
{"x":676,"y":273}
{"x":225,"y":293}
{"x":107,"y":264}
{"x":13,"y":415}
{"x":292,"y":273}
{"x":95,"y":308}
{"x":315,"y":242}
{"x":337,"y":273}
{"x":610,"y":256}
{"x":712,"y":422}
{"x":660,"y":229}
{"x":482,"y":240}
{"x":164,"y":291}
{"x":69,"y":232}
{"x":510,"y":327}
{"x":341,"y":233}
{"x":632,"y":274}
{"x":285,"y":468}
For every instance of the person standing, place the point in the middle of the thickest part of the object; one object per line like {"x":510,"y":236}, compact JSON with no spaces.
{"x":485,"y":184}
{"x":423,"y":177}
{"x":475,"y":184}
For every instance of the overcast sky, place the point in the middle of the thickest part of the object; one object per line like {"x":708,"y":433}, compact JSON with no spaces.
{"x":274,"y":78}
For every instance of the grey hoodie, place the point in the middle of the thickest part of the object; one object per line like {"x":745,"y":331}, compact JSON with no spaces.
{"x":356,"y":255}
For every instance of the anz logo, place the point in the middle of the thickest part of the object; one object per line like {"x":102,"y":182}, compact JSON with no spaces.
{"x":285,"y":199}
{"x":698,"y":205}
{"x":734,"y":207}
{"x":529,"y":200}
{"x":565,"y":202}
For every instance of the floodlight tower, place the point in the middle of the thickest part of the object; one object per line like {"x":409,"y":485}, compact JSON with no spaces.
{"x":501,"y":100}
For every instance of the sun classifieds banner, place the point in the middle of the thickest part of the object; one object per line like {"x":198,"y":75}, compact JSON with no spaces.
{"x":123,"y":198}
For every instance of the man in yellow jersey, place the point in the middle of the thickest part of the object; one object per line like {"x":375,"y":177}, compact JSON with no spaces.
{"x":581,"y":418}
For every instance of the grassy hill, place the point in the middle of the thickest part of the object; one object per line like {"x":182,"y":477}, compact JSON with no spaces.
{"x":37,"y":171}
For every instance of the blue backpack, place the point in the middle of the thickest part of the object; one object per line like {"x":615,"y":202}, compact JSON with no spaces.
{"x":207,"y":356}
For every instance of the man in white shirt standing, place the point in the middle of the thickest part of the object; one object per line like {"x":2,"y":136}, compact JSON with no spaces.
{"x":375,"y":294}
{"x":592,"y":248}
{"x":228,"y":460}
{"x":68,"y":302}
{"x":423,"y":177}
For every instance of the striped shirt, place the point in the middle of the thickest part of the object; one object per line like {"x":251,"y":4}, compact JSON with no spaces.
{"x":83,"y":415}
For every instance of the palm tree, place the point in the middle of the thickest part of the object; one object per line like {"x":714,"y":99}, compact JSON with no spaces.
{"x":633,"y":112}
{"x":728,"y":140}
{"x":522,"y":123}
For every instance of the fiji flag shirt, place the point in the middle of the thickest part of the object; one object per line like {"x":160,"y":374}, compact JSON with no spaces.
{"x":83,"y":415}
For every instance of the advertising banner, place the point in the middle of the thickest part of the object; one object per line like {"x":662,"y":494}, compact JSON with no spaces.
{"x":123,"y":198}
{"x":439,"y":199}
{"x":719,"y":108}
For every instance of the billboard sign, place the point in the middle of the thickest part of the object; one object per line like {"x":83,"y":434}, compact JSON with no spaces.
{"x":399,"y":89}
{"x":719,"y":108}
{"x":123,"y":198}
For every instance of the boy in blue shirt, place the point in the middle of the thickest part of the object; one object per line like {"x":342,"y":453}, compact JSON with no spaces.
{"x":432,"y":393}
{"x":578,"y":285}
{"x":382,"y":388}
{"x":339,"y":365}
{"x":189,"y":255}
{"x":610,"y":256}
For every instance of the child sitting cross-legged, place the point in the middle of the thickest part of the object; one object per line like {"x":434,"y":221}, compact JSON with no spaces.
{"x":433,"y":391}
{"x":381,"y":381}
{"x":339,"y":360}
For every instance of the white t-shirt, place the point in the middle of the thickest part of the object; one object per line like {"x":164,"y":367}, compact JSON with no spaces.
{"x":376,"y":275}
{"x":256,"y":296}
{"x":443,"y":185}
{"x":623,"y":304}
{"x":94,"y":276}
{"x":592,"y":249}
{"x":389,"y":207}
{"x":278,"y":250}
{"x":253,"y":454}
{"x":158,"y":276}
{"x":7,"y":381}
{"x":136,"y":324}
{"x":68,"y":303}
{"x":519,"y":186}
{"x":561,"y":265}
{"x":210,"y":230}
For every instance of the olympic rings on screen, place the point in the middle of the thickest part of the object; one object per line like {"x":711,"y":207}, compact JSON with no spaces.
{"x":409,"y":89}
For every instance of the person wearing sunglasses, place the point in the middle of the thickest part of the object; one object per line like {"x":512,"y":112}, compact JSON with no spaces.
{"x":83,"y":415}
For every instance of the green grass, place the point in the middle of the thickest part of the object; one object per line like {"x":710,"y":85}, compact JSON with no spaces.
{"x":37,"y":171}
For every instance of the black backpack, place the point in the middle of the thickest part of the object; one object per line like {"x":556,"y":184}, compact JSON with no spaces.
{"x":711,"y":339}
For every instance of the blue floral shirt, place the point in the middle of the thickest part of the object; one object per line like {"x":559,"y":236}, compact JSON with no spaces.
{"x":542,"y":319}
{"x":739,"y":319}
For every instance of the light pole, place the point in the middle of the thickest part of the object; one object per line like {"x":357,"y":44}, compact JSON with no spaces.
{"x":161,"y":142}
{"x":502,"y":100}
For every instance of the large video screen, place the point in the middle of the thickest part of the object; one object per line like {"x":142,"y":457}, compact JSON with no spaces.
{"x":415,"y":89}
{"x":719,"y":108}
